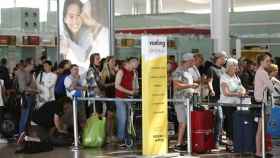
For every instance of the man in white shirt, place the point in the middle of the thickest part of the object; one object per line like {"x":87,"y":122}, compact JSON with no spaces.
{"x":73,"y":83}
{"x":46,"y":82}
{"x":74,"y":88}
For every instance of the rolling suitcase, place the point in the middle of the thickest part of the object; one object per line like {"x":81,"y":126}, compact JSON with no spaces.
{"x":202,"y":131}
{"x":244,"y":132}
{"x":273,"y":126}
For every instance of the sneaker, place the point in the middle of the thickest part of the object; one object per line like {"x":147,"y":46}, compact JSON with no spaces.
{"x":31,"y":139}
{"x":3,"y":141}
{"x":123,"y":145}
{"x":179,"y":148}
{"x":21,"y":138}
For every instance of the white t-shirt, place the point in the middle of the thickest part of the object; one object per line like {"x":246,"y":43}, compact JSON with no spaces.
{"x":46,"y":85}
{"x":234,"y":85}
{"x":188,"y":77}
{"x":196,"y":77}
{"x":195,"y":73}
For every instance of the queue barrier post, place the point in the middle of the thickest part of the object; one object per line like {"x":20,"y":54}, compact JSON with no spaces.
{"x":263,"y":130}
{"x":189,"y":130}
{"x":75,"y":124}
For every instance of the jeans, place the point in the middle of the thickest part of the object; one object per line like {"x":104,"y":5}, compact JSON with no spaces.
{"x":25,"y":114}
{"x":122,"y":113}
{"x":218,"y":131}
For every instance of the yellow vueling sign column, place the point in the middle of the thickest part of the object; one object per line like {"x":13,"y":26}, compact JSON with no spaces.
{"x":154,"y":95}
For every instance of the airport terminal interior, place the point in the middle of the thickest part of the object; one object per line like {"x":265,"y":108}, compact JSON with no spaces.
{"x":139,"y":78}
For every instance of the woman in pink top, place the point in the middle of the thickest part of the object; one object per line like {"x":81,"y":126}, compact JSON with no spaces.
{"x":262,"y":82}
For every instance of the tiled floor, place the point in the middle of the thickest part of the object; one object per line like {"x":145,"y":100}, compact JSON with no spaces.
{"x":7,"y":151}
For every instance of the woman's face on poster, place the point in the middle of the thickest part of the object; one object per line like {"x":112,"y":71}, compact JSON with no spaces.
{"x":72,"y":18}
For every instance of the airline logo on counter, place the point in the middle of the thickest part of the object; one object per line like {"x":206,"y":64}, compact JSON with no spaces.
{"x":154,"y":88}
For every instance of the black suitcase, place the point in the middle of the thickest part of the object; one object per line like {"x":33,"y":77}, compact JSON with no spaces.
{"x":244,"y":132}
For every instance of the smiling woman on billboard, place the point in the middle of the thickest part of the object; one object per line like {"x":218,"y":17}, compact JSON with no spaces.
{"x":84,"y":30}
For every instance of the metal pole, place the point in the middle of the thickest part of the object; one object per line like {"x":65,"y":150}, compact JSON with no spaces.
{"x":263,"y":130}
{"x":93,"y":108}
{"x":189,"y":130}
{"x":76,"y":136}
{"x":231,"y":6}
{"x":111,"y":12}
{"x":49,"y":6}
{"x":148,"y":6}
{"x":58,"y":57}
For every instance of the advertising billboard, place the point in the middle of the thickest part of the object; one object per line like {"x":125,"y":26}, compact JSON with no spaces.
{"x":83,"y":30}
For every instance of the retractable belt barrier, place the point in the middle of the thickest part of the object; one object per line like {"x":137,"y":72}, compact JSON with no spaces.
{"x":186,"y":103}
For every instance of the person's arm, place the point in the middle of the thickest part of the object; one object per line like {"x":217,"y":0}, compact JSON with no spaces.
{"x":210,"y":86}
{"x":3,"y":89}
{"x":68,"y":84}
{"x":118,"y":84}
{"x":267,"y":82}
{"x":135,"y":82}
{"x":242,"y":91}
{"x":226,"y":91}
{"x":210,"y":82}
{"x":58,"y":125}
{"x":181,"y":85}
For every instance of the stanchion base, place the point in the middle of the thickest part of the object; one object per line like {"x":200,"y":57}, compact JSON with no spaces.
{"x":74,"y":148}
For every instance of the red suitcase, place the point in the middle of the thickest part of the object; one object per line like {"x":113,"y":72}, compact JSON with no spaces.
{"x":268,"y":142}
{"x":202,"y":131}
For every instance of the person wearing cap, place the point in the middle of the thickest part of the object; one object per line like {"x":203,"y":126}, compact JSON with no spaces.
{"x":183,"y":87}
{"x":213,"y":75}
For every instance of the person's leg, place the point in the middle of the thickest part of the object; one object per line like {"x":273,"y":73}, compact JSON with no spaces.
{"x":25,"y":117}
{"x":181,"y":133}
{"x":99,"y":107}
{"x":2,"y":139}
{"x":25,"y":110}
{"x":121,"y":120}
{"x":127,"y":106}
{"x":230,"y":122}
{"x":81,"y":113}
{"x":219,"y":125}
{"x":228,"y":112}
{"x":110,"y":119}
{"x":259,"y":139}
{"x":182,"y":119}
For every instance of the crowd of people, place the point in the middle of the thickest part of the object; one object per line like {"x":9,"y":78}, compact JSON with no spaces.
{"x":46,"y":91}
{"x":46,"y":94}
{"x":229,"y":81}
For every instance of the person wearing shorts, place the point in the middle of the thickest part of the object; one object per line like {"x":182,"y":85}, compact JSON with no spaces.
{"x":183,"y":87}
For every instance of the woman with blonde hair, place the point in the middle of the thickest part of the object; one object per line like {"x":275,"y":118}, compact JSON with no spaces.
{"x":108,"y":75}
{"x":262,"y":84}
{"x":273,"y":72}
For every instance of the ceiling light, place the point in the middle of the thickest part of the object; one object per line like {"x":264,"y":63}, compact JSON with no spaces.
{"x":198,"y":1}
